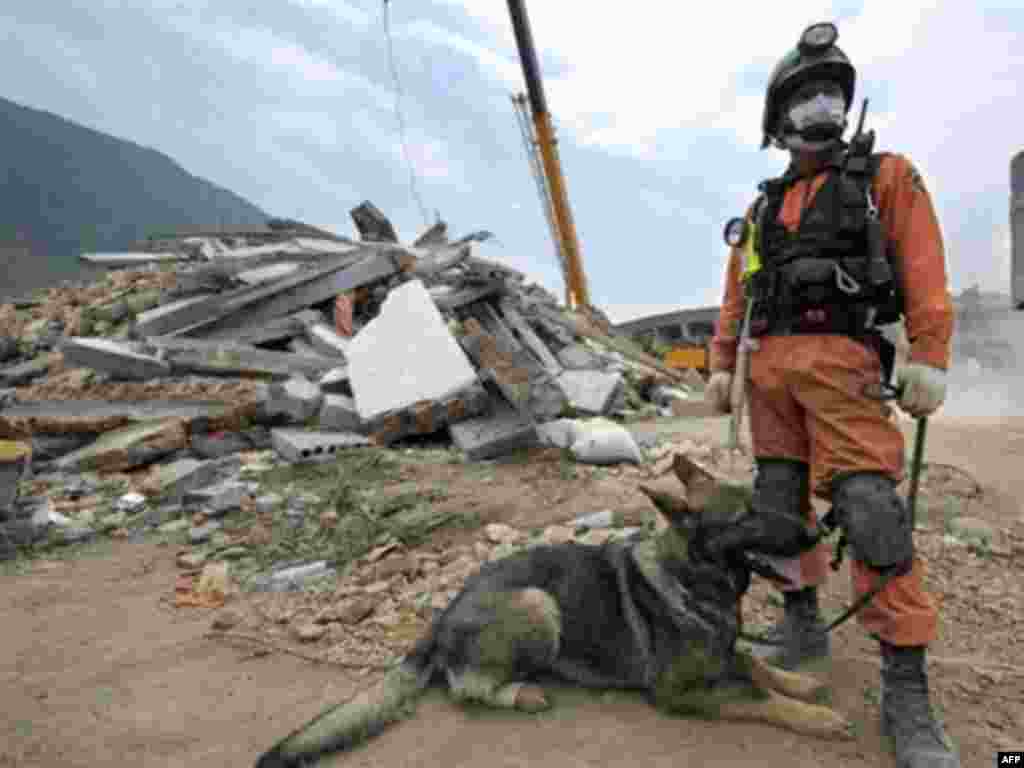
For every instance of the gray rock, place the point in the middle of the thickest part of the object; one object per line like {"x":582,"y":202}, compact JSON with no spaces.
{"x":8,"y":349}
{"x":268,"y":503}
{"x":198,"y":534}
{"x":292,"y":579}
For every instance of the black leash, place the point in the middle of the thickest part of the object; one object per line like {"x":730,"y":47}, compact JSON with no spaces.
{"x":881,"y":392}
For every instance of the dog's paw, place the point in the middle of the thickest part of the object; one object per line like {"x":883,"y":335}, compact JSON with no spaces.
{"x":531,"y":698}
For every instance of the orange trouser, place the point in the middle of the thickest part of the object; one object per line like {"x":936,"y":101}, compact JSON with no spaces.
{"x":806,"y":403}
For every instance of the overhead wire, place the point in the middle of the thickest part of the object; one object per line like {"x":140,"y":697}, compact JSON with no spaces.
{"x":400,"y":117}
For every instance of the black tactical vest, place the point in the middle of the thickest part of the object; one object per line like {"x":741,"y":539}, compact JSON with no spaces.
{"x":834,"y":274}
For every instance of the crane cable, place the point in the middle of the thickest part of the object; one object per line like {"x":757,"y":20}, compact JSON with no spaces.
{"x":413,"y":180}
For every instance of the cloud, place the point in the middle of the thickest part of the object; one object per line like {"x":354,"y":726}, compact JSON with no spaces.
{"x":291,"y":104}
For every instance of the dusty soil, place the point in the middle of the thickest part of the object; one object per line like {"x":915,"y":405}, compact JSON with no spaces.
{"x":99,"y":668}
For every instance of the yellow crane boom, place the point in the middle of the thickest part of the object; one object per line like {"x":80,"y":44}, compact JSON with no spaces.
{"x":577,"y":290}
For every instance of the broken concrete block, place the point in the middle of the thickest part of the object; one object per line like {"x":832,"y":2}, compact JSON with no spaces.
{"x":298,"y":398}
{"x":428,"y":417}
{"x":301,"y":347}
{"x":176,"y":314}
{"x":578,"y":357}
{"x":372,"y":224}
{"x":406,"y":355}
{"x":335,"y":382}
{"x":591,"y":392}
{"x":65,"y":417}
{"x":130,"y":259}
{"x":24,"y":373}
{"x":118,"y":360}
{"x":298,"y":445}
{"x":216,"y":500}
{"x":338,"y":413}
{"x":232,"y":359}
{"x":254,"y":307}
{"x":495,"y":434}
{"x":528,"y":337}
{"x":15,"y":459}
{"x":326,"y":341}
{"x":172,"y":481}
{"x":128,"y":447}
{"x":268,"y":273}
{"x":521,"y":379}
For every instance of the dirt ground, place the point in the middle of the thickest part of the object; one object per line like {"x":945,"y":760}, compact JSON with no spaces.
{"x":98,"y":668}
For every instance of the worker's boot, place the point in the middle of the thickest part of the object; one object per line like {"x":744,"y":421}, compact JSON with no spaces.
{"x":917,"y":739}
{"x":800,"y":635}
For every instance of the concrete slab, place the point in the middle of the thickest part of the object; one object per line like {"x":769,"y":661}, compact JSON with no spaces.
{"x":79,"y":416}
{"x":301,"y":347}
{"x":119,"y":360}
{"x":448,"y":300}
{"x":335,"y":382}
{"x":338,"y":413}
{"x":372,"y":224}
{"x":435,"y":234}
{"x":299,"y":445}
{"x":131,"y":259}
{"x":326,"y":341}
{"x":298,"y":398}
{"x":493,"y":435}
{"x":128,"y":447}
{"x":591,"y":392}
{"x":258,"y":306}
{"x":176,"y":314}
{"x":578,"y":357}
{"x":321,"y":246}
{"x":268,"y":273}
{"x":521,"y":379}
{"x":406,"y":355}
{"x":428,"y":417}
{"x":233,"y":359}
{"x":24,"y":373}
{"x":528,"y":337}
{"x":278,"y":329}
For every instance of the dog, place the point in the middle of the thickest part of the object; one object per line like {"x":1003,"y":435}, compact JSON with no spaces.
{"x":658,"y":612}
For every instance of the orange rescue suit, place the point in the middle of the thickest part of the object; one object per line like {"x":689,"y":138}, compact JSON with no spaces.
{"x":806,"y":400}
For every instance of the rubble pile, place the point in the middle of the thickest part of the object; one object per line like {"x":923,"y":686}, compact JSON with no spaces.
{"x":198,"y":346}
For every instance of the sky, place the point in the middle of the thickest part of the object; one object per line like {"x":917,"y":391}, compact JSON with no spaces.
{"x":293,"y":105}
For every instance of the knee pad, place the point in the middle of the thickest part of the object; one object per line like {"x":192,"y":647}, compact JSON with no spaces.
{"x":776,"y":524}
{"x":875,"y":520}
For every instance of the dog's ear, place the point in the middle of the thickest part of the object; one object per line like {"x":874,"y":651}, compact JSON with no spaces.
{"x":669,"y":499}
{"x":700,"y":485}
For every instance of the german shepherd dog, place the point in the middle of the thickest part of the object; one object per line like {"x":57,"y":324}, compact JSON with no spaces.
{"x":659,"y":613}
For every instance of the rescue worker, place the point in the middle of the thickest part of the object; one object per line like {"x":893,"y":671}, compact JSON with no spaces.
{"x":844,"y":240}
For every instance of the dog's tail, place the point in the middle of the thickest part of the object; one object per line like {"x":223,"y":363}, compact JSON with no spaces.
{"x":346,"y":725}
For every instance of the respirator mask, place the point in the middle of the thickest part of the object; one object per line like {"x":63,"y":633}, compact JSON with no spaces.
{"x":814,"y":117}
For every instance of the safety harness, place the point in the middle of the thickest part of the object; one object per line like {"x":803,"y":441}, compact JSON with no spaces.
{"x":835,"y":273}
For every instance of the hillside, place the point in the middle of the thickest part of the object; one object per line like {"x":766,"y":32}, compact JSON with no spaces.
{"x":65,"y":188}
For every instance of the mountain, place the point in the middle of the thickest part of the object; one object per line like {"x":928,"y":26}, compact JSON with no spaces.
{"x":66,"y":188}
